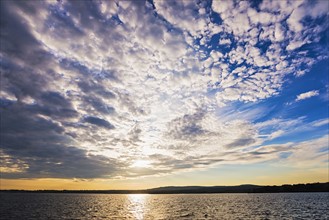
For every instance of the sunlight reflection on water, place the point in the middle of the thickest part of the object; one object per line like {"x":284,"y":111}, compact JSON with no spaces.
{"x":137,"y":205}
{"x":41,"y":206}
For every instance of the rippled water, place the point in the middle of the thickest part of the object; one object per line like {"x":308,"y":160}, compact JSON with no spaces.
{"x":175,"y":206}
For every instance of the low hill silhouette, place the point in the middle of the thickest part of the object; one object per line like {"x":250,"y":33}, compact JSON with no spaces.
{"x":246,"y":188}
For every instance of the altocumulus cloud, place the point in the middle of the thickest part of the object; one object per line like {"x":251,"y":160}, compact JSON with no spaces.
{"x":88,"y":87}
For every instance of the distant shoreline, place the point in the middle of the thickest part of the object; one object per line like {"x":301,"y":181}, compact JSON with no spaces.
{"x":287,"y":188}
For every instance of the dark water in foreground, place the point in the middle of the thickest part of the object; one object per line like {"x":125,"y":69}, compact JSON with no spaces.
{"x":175,"y":206}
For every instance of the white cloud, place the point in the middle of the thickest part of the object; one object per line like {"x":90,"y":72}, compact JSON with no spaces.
{"x":276,"y":134}
{"x":319,"y":8}
{"x":180,"y":14}
{"x":295,"y":44}
{"x":225,"y":41}
{"x":311,"y":153}
{"x":295,"y":18}
{"x":263,"y":18}
{"x":307,"y":95}
{"x":279,"y":33}
{"x":168,"y":96}
{"x":321,"y":122}
{"x":223,"y":8}
{"x":306,"y":154}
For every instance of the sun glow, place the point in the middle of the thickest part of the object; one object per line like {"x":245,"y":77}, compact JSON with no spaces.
{"x":141,"y":163}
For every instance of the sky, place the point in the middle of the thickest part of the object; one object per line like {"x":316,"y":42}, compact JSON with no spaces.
{"x":140,"y":94}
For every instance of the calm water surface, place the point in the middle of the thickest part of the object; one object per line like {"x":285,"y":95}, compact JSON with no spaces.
{"x":176,"y":206}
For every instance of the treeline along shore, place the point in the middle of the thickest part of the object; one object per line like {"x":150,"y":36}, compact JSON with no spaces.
{"x":309,"y":187}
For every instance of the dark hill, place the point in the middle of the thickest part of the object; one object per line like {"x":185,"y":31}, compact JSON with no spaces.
{"x":309,"y":187}
{"x":204,"y":189}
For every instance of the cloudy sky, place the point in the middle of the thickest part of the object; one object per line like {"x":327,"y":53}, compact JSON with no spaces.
{"x":120,"y":94}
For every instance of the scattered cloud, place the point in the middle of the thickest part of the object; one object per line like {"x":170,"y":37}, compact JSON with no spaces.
{"x":307,"y":95}
{"x":87,"y":88}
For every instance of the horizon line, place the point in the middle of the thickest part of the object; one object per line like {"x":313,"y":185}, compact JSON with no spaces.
{"x":160,"y":187}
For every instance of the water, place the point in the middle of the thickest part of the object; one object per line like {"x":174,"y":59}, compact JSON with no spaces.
{"x":175,"y":206}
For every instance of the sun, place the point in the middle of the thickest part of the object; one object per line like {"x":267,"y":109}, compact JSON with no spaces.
{"x":141,"y":163}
